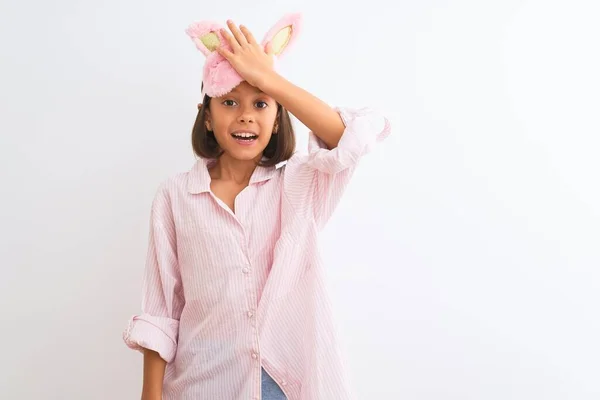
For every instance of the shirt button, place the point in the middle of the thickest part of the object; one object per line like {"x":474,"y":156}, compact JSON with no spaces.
{"x":250,"y":314}
{"x":254,"y":355}
{"x":283,"y":382}
{"x":246,"y":270}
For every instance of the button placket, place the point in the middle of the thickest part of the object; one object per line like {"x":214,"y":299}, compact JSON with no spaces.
{"x":251,"y":292}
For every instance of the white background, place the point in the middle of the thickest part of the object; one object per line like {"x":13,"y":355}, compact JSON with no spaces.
{"x":463,"y":261}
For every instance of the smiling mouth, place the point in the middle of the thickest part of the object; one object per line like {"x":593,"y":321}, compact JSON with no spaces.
{"x":244,"y":136}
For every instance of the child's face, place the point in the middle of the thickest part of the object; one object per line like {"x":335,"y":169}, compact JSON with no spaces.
{"x":243,"y":121}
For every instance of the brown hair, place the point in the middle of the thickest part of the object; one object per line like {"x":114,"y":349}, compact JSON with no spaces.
{"x":280,"y":148}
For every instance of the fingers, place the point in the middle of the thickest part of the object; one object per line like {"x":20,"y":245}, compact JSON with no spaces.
{"x":239,"y":36}
{"x":269,"y":48}
{"x":230,"y":39}
{"x":248,"y":35}
{"x":224,"y":52}
{"x":238,"y":39}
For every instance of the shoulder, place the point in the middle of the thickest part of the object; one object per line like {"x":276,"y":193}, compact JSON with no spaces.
{"x":295,"y":164}
{"x":298,"y":158}
{"x":173,"y":182}
{"x":172,"y":187}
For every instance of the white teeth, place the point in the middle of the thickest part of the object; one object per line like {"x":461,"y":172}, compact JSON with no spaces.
{"x":244,"y":134}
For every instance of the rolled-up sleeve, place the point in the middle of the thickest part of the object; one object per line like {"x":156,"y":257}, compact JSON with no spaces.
{"x":316,"y":182}
{"x":364,"y":128}
{"x":157,"y":326}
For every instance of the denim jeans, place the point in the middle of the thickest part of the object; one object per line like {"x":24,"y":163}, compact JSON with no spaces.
{"x":270,"y":388}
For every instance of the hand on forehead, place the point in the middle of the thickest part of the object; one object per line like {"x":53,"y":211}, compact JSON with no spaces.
{"x":219,"y":77}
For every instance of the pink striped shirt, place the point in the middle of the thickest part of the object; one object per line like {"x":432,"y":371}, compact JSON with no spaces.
{"x":225,"y":293}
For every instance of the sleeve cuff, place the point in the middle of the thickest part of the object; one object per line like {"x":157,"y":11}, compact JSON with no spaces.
{"x":364,"y":129}
{"x":153,"y":333}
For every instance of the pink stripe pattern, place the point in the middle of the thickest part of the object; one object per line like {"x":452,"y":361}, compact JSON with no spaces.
{"x":225,"y":293}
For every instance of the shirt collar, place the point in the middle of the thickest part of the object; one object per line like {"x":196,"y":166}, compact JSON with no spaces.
{"x":199,"y":177}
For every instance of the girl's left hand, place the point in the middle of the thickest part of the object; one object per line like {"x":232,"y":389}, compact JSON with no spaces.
{"x":248,"y":58}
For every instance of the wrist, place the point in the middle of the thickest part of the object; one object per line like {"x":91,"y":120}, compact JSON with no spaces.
{"x":268,"y":82}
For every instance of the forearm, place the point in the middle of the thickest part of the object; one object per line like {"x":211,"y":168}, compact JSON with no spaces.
{"x":317,"y":115}
{"x":154,"y":373}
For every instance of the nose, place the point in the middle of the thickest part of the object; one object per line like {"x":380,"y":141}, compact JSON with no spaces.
{"x":246,"y":116}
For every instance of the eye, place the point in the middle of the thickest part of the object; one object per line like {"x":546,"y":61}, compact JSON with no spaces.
{"x":262,"y":104}
{"x":228,"y":103}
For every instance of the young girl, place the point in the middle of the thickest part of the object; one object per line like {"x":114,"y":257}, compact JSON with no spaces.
{"x":234,"y":304}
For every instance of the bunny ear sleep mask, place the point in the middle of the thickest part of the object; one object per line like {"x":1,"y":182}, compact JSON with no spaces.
{"x":219,"y":77}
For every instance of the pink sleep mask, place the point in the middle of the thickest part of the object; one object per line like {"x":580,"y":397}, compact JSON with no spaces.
{"x":219,"y":77}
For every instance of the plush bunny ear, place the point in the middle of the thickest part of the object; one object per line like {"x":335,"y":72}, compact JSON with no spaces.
{"x":206,"y":35}
{"x":284,"y":33}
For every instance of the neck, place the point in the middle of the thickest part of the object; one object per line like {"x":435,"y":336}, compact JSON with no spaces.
{"x":228,"y":168}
